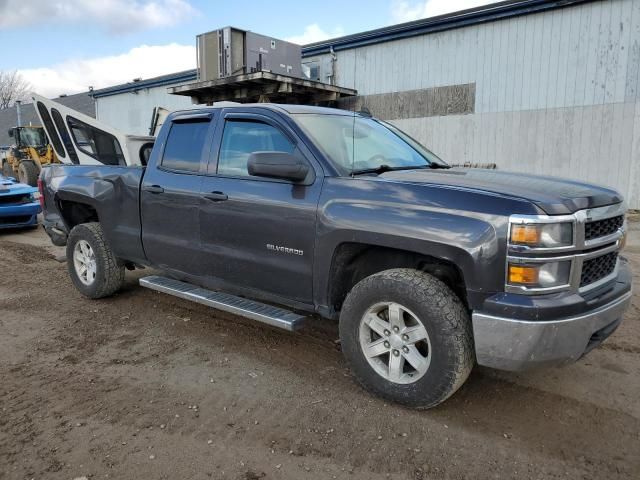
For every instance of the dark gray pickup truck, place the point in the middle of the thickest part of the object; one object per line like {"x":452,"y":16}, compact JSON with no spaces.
{"x":278,"y":212}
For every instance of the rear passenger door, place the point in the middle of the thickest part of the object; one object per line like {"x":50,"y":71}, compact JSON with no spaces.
{"x":170,"y":193}
{"x":258,"y":234}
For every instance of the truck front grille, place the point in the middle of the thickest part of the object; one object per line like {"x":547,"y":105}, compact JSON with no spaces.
{"x":598,"y":268}
{"x":602,"y":228}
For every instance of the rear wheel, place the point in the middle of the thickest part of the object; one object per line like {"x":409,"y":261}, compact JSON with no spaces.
{"x":28,"y":173}
{"x":94,"y":269}
{"x":407,"y":337}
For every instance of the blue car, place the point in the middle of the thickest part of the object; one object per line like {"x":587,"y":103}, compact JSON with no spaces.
{"x":19,"y":204}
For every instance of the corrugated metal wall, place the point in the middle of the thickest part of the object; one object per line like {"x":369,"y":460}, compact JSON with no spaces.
{"x":555,"y":93}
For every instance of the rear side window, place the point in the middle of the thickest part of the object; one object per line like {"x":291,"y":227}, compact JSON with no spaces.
{"x":96,"y":143}
{"x":243,"y":137}
{"x":51,"y":131}
{"x":185,"y":142}
{"x":66,"y":138}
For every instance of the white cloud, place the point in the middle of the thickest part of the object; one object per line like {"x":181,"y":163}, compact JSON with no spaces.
{"x":313,"y":33}
{"x":75,"y":75}
{"x":117,"y":16}
{"x":405,"y":11}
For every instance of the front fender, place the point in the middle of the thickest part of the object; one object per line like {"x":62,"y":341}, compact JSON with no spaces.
{"x":469,"y":243}
{"x":467,"y":229}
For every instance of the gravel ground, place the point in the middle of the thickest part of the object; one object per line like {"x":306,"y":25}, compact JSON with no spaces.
{"x":146,"y":386}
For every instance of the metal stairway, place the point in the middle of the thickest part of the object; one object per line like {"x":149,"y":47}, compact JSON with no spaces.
{"x":274,"y":316}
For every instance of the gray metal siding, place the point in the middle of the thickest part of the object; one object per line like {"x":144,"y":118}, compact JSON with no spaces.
{"x":582,"y":55}
{"x":555,"y":93}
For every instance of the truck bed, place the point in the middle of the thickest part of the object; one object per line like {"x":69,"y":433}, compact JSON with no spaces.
{"x":114,"y":193}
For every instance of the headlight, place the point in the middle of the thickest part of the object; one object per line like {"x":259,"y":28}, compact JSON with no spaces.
{"x":542,"y":235}
{"x":539,"y":275}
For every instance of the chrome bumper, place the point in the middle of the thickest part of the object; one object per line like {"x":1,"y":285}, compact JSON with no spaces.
{"x":510,"y":344}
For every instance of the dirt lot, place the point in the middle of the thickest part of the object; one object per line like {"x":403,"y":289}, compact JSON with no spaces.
{"x":145,"y":386}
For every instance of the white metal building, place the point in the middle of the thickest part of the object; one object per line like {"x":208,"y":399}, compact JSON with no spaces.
{"x":547,"y":87}
{"x":128,"y":107}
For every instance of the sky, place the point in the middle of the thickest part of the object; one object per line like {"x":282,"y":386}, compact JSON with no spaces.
{"x":65,"y":46}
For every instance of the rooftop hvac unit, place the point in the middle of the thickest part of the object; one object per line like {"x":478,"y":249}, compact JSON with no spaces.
{"x":231,"y":51}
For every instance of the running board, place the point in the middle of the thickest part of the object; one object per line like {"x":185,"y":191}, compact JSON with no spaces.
{"x":274,"y":316}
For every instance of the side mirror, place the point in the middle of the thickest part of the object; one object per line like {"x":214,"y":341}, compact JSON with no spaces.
{"x":280,"y":165}
{"x":11,"y":132}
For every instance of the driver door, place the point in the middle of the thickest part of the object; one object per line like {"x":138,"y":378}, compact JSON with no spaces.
{"x":258,"y":233}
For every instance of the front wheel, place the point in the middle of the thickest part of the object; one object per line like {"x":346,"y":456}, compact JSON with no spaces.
{"x":407,"y":337}
{"x":94,"y":269}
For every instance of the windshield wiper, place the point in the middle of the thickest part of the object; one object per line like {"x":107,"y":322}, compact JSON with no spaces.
{"x":386,"y":168}
{"x":439,"y":165}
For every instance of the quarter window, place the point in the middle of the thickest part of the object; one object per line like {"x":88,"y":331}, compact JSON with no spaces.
{"x":243,"y":137}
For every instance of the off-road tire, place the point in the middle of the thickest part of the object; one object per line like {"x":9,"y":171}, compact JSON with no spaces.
{"x":443,"y":315}
{"x":109,"y":271}
{"x":28,"y":173}
{"x":7,"y":170}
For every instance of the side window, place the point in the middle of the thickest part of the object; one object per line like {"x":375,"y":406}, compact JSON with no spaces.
{"x":241,"y":138}
{"x":96,"y":143}
{"x":64,"y":133}
{"x":51,"y":131}
{"x":183,"y":149}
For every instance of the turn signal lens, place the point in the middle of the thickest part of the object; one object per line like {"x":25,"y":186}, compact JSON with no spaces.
{"x":41,"y":194}
{"x":525,"y":234}
{"x":542,"y":235}
{"x":523,"y":275}
{"x":539,"y":275}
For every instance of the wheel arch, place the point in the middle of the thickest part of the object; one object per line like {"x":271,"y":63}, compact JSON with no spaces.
{"x":353,"y":261}
{"x":75,"y":211}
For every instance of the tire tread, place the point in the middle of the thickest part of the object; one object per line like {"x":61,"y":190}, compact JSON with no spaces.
{"x":453,"y":322}
{"x":112,"y":277}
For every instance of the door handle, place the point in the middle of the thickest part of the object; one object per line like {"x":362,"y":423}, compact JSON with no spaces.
{"x":216,"y":196}
{"x":154,"y":189}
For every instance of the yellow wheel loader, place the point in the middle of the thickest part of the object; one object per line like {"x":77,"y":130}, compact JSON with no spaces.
{"x":25,"y":158}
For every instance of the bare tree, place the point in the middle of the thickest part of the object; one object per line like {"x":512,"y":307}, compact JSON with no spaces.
{"x":12,"y":87}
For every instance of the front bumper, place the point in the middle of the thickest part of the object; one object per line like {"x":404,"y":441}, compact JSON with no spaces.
{"x":16,"y":216}
{"x":509,"y":343}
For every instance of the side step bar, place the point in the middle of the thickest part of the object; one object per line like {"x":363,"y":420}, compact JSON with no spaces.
{"x":274,"y":316}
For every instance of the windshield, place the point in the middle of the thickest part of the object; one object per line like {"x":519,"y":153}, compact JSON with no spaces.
{"x":355,"y":144}
{"x":32,"y":137}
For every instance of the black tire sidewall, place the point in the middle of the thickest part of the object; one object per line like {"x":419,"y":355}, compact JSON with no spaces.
{"x":30,"y":171}
{"x":7,"y":170}
{"x":435,"y":385}
{"x":80,"y":232}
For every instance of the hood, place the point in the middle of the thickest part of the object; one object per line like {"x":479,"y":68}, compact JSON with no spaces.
{"x":555,"y":196}
{"x":10,"y":186}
